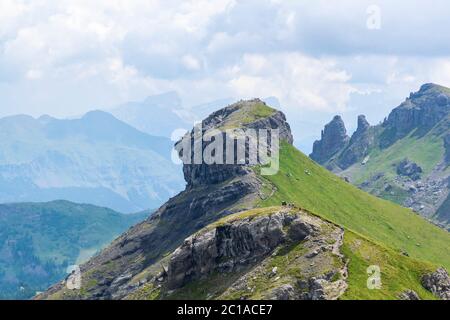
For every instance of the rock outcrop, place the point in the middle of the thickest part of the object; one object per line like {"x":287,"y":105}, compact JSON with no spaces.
{"x":409,"y":169}
{"x":438,"y":283}
{"x":229,"y":123}
{"x":409,"y":295}
{"x":359,"y":144}
{"x":422,"y":110}
{"x":333,"y":139}
{"x":213,"y":191}
{"x":242,"y":251}
{"x":234,"y":245}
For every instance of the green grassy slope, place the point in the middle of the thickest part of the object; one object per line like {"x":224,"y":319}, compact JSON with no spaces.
{"x":312,"y":187}
{"x":248,"y":112}
{"x":398,"y":272}
{"x":426,"y":151}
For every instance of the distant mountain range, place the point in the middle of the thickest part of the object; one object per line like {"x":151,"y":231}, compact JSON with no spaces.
{"x":38,"y":241}
{"x":157,"y":115}
{"x":405,"y":159}
{"x":96,"y":159}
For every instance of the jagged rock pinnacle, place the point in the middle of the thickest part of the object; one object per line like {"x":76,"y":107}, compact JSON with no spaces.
{"x":334,"y":138}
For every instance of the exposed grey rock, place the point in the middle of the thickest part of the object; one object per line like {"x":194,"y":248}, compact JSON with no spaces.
{"x":438,"y":283}
{"x":333,"y":139}
{"x":363,"y":125}
{"x":409,"y":295}
{"x":422,"y":109}
{"x":199,"y":174}
{"x":321,"y":288}
{"x":409,"y":169}
{"x":284,"y":292}
{"x":248,"y":249}
{"x":358,"y":146}
{"x":226,"y":248}
{"x":299,"y":230}
{"x":340,"y":151}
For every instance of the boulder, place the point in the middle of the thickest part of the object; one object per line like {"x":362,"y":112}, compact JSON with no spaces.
{"x":409,"y":295}
{"x":284,"y":292}
{"x":409,"y":169}
{"x":438,"y":283}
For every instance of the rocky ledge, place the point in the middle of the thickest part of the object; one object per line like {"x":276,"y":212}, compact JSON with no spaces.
{"x":247,"y":250}
{"x":438,"y":283}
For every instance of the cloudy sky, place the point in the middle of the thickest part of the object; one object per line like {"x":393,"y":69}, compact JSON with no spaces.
{"x":317,"y":57}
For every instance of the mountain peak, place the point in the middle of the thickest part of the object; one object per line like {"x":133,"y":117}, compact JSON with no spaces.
{"x":427,"y":86}
{"x":432,"y":86}
{"x":167,"y":99}
{"x":98,"y":115}
{"x":363,"y":124}
{"x":333,"y":138}
{"x":244,"y":114}
{"x":422,"y":110}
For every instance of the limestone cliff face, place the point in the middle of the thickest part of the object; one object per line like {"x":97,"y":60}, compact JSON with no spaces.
{"x":422,"y":110}
{"x":241,"y":251}
{"x":232,"y":119}
{"x":358,"y":146}
{"x":333,"y":139}
{"x":234,"y":245}
{"x":213,"y":191}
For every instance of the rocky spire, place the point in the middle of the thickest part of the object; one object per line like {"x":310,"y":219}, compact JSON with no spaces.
{"x":363,"y":124}
{"x":333,"y":139}
{"x":358,"y":146}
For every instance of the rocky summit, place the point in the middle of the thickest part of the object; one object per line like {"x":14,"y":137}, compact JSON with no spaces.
{"x":334,"y":138}
{"x":237,"y":233}
{"x":403,"y":159}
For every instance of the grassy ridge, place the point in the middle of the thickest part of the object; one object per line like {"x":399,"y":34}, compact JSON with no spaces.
{"x":426,"y":152}
{"x":398,"y":273}
{"x":312,"y":187}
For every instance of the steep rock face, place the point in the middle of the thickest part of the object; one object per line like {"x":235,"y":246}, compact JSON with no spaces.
{"x":358,"y":146}
{"x":409,"y":295}
{"x":213,"y":191}
{"x":231,"y":120}
{"x":230,"y":246}
{"x":333,"y":139}
{"x":240,"y":251}
{"x":423,"y":110}
{"x":438,"y":283}
{"x":336,"y":150}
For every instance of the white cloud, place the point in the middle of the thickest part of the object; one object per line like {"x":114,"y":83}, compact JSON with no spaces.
{"x":298,"y":81}
{"x":190,"y":62}
{"x":313,"y":56}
